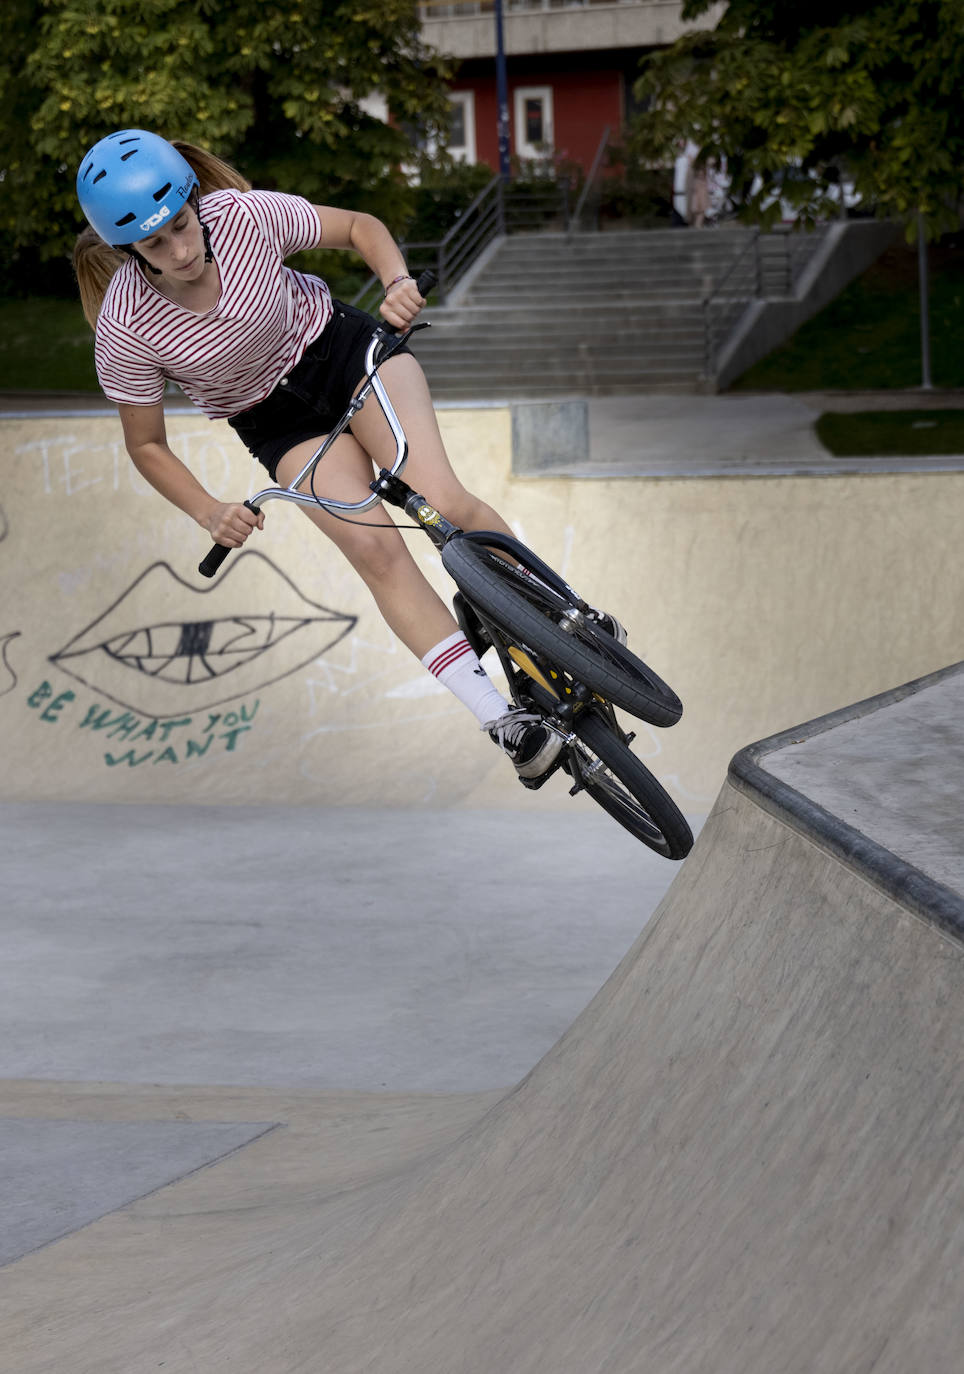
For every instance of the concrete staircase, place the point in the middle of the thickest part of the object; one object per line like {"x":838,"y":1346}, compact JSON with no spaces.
{"x":587,"y":314}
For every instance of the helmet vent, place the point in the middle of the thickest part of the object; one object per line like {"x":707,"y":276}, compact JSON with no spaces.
{"x":125,"y":156}
{"x":101,"y":173}
{"x":159,"y":195}
{"x":126,"y":220}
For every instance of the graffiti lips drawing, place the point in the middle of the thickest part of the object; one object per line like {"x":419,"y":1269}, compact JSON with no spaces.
{"x":165,"y":648}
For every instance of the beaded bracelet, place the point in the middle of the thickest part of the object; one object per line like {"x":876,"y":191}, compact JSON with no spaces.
{"x":403,"y":276}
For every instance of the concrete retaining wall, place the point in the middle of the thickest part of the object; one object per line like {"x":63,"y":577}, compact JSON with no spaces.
{"x":847,"y":249}
{"x":126,"y":676}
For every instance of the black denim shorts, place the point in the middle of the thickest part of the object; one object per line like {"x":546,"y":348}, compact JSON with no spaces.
{"x":315,"y":394}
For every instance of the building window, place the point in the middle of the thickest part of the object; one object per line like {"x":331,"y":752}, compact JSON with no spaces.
{"x":462,"y":126}
{"x":533,"y":121}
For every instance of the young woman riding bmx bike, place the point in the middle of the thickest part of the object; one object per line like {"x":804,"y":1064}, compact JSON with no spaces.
{"x":182,"y":276}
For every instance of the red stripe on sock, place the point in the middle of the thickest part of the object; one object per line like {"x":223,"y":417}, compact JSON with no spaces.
{"x":446,"y":659}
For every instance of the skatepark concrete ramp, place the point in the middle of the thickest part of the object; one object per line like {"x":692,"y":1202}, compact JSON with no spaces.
{"x":744,"y":1157}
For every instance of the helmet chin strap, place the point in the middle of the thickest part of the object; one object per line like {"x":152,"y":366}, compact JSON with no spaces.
{"x":195,"y":199}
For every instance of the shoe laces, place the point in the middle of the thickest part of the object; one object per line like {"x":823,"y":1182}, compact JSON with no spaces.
{"x":510,"y":728}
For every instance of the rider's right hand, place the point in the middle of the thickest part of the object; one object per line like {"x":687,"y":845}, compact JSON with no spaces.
{"x":231,"y":524}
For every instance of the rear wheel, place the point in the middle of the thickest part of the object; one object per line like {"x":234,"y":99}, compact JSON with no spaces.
{"x":546,"y":622}
{"x":603,"y":764}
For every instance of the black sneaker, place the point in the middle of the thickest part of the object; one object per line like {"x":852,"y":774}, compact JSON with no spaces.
{"x":529,"y":744}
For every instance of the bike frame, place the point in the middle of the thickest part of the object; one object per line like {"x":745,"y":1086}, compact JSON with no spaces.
{"x":533,"y":680}
{"x":525,"y":675}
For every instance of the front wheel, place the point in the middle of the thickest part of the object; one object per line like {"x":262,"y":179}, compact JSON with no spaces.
{"x":546,"y":622}
{"x":603,"y":765}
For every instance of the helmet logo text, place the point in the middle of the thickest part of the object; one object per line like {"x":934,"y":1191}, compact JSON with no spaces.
{"x":155,"y":220}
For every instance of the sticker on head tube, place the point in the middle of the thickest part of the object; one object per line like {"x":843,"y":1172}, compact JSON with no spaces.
{"x":428,"y":515}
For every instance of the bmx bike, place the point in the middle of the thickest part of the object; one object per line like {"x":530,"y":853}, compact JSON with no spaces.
{"x":559,"y":661}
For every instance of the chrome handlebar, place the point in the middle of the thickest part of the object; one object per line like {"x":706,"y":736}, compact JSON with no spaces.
{"x":377,"y":353}
{"x":374,"y":384}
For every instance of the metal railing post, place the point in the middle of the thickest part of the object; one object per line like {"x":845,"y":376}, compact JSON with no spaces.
{"x":590,"y":179}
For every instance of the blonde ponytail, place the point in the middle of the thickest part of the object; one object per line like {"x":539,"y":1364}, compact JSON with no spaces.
{"x":95,"y":261}
{"x":212,"y":172}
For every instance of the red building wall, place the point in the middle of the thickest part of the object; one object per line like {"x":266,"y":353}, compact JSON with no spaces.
{"x":583,"y":104}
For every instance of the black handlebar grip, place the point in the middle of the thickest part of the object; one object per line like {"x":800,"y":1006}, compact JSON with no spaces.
{"x":219,"y":552}
{"x":427,"y":282}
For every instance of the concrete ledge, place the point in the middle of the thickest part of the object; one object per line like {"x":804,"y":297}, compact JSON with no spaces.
{"x":752,"y":772}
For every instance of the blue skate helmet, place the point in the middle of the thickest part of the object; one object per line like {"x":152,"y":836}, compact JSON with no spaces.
{"x":131,"y":183}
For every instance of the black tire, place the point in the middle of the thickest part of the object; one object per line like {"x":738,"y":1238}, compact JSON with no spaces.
{"x":626,"y":789}
{"x":532,"y":612}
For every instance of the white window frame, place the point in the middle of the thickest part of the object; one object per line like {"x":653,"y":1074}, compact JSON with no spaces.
{"x":467,"y":100}
{"x":520,"y":96}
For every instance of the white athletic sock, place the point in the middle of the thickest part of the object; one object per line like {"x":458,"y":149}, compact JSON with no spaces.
{"x":456,"y":665}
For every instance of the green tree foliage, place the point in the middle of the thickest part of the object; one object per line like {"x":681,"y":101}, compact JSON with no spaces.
{"x":796,"y":95}
{"x":275,"y":86}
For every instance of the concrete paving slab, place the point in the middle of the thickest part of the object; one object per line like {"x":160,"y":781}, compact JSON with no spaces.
{"x":893,"y":771}
{"x":735,"y":434}
{"x":57,"y":1176}
{"x":331,"y":949}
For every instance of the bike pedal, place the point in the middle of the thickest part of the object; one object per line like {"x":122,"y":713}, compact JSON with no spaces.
{"x":534,"y":784}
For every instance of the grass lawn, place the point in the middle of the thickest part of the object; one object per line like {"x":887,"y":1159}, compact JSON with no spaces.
{"x":45,"y":345}
{"x":869,"y":337}
{"x":893,"y":433}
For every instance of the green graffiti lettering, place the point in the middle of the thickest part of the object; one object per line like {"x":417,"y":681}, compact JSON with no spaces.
{"x":40,"y":695}
{"x":124,"y":726}
{"x":200,"y":749}
{"x":129,"y":758}
{"x":97,"y":717}
{"x":56,"y":705}
{"x":100,"y":718}
{"x":231,"y":737}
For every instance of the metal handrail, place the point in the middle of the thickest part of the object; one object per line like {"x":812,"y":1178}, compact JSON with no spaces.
{"x":448,"y":256}
{"x":590,"y":179}
{"x":709,"y":340}
{"x":485,"y":218}
{"x":481,"y":221}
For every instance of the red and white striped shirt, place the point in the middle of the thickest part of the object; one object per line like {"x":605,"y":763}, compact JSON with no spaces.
{"x":230,"y":357}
